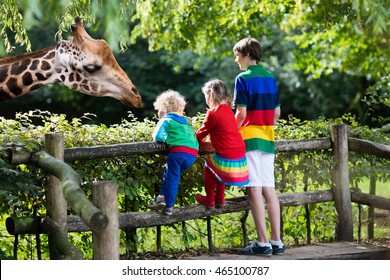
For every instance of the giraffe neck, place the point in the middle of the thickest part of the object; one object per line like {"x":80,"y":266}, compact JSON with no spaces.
{"x":22,"y":74}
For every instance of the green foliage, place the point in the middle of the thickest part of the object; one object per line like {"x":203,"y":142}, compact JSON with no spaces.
{"x":183,"y":25}
{"x":18,"y":190}
{"x":10,"y":18}
{"x":18,"y":16}
{"x":345,"y":35}
{"x":335,"y":42}
{"x":378,"y":96}
{"x":311,"y":46}
{"x":340,"y":35}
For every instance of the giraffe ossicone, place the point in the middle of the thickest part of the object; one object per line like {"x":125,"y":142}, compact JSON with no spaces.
{"x":81,"y":63}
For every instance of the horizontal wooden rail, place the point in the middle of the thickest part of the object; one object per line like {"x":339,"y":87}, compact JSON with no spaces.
{"x":183,"y":213}
{"x":114,"y":150}
{"x":141,"y":148}
{"x":19,"y":156}
{"x":195,"y":211}
{"x":315,"y":144}
{"x":368,"y":147}
{"x":29,"y":225}
{"x":370,"y":200}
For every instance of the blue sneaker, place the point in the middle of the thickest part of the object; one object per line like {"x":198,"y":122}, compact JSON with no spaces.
{"x":158,"y":203}
{"x":278,"y":249}
{"x":255,"y":249}
{"x":168,"y":211}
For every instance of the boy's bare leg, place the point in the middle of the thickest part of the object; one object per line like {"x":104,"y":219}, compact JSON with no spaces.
{"x":255,"y":197}
{"x":273,"y":209}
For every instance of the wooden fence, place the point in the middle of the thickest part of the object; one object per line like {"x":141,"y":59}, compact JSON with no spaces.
{"x":106,"y":222}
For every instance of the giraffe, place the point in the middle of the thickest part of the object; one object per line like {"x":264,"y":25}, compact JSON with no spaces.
{"x":81,"y":63}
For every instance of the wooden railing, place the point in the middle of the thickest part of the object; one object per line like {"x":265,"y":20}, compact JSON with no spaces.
{"x":341,"y":193}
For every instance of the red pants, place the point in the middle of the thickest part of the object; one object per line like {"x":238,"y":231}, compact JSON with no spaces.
{"x":215,"y":190}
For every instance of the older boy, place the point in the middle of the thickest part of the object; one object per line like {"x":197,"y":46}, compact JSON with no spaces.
{"x":257,"y":103}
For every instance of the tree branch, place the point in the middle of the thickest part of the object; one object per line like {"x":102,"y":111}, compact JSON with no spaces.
{"x":73,"y":193}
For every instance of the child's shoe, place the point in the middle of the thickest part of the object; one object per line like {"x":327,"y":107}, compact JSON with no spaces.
{"x":256,"y":249}
{"x":220,"y":204}
{"x":158,"y":203}
{"x":277,"y":247}
{"x":203,"y":200}
{"x":168,"y":211}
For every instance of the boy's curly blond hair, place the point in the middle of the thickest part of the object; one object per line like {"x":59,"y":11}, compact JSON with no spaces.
{"x":169,"y":101}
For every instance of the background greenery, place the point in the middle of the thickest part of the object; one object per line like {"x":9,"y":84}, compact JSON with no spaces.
{"x":330,"y":57}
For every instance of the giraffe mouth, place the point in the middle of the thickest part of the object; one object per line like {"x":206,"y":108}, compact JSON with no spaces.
{"x":132,"y":104}
{"x":134,"y":101}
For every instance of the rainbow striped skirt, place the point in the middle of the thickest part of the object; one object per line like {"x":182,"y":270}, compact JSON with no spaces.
{"x":232,"y":172}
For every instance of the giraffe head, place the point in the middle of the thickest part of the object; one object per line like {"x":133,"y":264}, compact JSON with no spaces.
{"x":88,"y":66}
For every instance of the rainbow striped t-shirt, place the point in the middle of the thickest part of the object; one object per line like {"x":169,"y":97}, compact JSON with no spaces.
{"x":256,"y":89}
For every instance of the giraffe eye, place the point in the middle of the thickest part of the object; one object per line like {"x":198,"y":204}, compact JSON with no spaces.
{"x":92,"y":68}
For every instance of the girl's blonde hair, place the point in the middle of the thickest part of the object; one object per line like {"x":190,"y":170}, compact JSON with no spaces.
{"x":169,"y":101}
{"x":218,"y":93}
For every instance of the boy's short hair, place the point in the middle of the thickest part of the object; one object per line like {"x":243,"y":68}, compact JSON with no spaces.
{"x":170,"y":101}
{"x":249,"y":46}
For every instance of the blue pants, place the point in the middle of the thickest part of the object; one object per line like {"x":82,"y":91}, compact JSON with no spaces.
{"x":177,"y":163}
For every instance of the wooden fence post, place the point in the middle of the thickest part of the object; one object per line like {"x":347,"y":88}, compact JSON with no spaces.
{"x":341,"y":188}
{"x":106,"y":241}
{"x":56,"y":203}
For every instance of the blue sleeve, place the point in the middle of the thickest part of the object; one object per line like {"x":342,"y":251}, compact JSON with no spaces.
{"x":160,"y":132}
{"x":240,"y":97}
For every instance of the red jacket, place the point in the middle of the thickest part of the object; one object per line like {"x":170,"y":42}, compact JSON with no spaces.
{"x":220,"y":124}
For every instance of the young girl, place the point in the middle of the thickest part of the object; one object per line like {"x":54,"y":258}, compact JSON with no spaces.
{"x":177,"y":131}
{"x":227,"y":166}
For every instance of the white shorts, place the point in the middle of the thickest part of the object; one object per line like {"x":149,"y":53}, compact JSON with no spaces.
{"x":261,"y":169}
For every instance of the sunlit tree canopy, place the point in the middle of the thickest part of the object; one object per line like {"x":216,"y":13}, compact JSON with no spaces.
{"x":349,"y":37}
